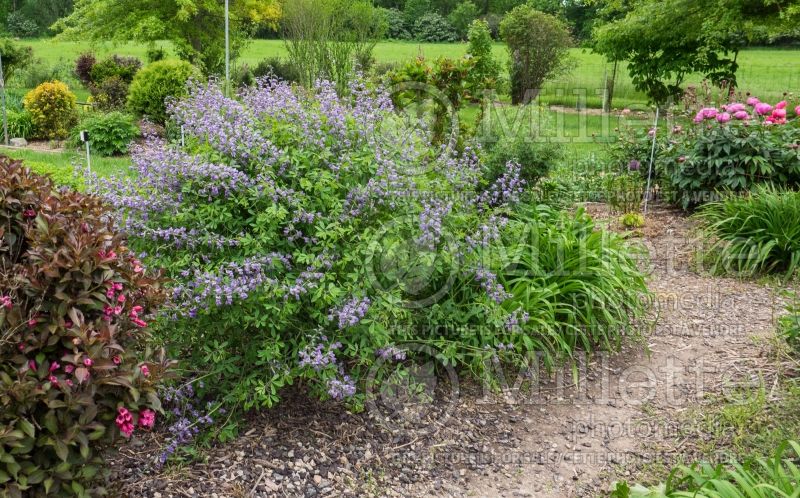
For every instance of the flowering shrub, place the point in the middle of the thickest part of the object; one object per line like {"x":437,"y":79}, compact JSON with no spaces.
{"x":309,"y":235}
{"x":733,"y":149}
{"x":53,"y":109}
{"x":74,"y":374}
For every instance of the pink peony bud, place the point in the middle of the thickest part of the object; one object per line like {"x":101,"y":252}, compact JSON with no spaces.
{"x":735,"y":107}
{"x":741,"y":115}
{"x":752,"y":101}
{"x":724,"y":117}
{"x":763,"y":109}
{"x":781,"y":105}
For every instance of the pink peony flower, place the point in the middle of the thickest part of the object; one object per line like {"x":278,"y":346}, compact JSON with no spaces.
{"x":124,"y":421}
{"x":752,"y":101}
{"x":147,"y":418}
{"x":763,"y":109}
{"x":145,"y":370}
{"x":797,"y":110}
{"x":723,"y":117}
{"x":741,"y":115}
{"x":779,"y":113}
{"x":735,"y":107}
{"x":88,"y":362}
{"x":781,"y":105}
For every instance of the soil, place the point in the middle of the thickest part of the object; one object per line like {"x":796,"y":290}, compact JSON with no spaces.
{"x":560,"y":439}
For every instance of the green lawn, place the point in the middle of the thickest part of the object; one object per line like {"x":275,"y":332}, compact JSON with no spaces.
{"x":767,"y":73}
{"x":70,"y":160}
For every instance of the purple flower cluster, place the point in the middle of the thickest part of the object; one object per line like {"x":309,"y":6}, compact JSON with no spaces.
{"x":391,"y":353}
{"x":340,"y":389}
{"x":488,"y":232}
{"x":515,"y":319}
{"x":226,"y":124}
{"x":430,"y":222}
{"x":321,"y":356}
{"x":506,"y":189}
{"x":493,"y":288}
{"x":351,"y":312}
{"x":234,"y":280}
{"x":180,"y":403}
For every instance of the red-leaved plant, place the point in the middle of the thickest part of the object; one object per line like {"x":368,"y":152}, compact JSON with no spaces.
{"x":75,"y":370}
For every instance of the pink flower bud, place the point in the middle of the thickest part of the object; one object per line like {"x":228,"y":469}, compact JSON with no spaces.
{"x":88,"y":362}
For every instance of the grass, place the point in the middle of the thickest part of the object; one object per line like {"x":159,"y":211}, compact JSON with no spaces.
{"x":62,"y":161}
{"x":767,"y":73}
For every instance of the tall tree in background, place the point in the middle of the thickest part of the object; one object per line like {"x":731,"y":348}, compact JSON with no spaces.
{"x":196,"y":27}
{"x":663,"y":41}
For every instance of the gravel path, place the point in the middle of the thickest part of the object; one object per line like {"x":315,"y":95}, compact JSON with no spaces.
{"x":560,"y":440}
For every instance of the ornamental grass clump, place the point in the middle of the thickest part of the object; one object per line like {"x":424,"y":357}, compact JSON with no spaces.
{"x":75,"y":371}
{"x":309,"y":235}
{"x":752,"y":234}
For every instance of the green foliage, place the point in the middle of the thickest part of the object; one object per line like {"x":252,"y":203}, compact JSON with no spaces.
{"x":156,"y":83}
{"x":434,"y":28}
{"x":790,"y":323}
{"x":327,"y":39}
{"x":446,"y":83}
{"x":20,"y":26}
{"x":124,"y":68}
{"x":52,"y":109}
{"x":155,"y":54}
{"x":772,"y":477}
{"x":396,"y":28}
{"x":632,"y":220}
{"x":62,"y":175}
{"x":415,"y":9}
{"x":195,"y":27}
{"x":39,"y":72}
{"x":624,"y":192}
{"x":282,"y":69}
{"x":83,"y":67}
{"x":109,"y":134}
{"x":20,"y":124}
{"x":538,"y":46}
{"x":665,"y":41}
{"x":67,"y":367}
{"x":15,"y":57}
{"x":699,"y":163}
{"x":462,"y":17}
{"x":755,"y":233}
{"x":534,"y":155}
{"x":486,"y":71}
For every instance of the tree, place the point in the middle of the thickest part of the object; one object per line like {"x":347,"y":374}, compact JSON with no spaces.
{"x":486,"y":71}
{"x":196,"y":27}
{"x":462,"y":16}
{"x":326,"y":38}
{"x":666,"y":40}
{"x":15,"y":57}
{"x":538,"y":46}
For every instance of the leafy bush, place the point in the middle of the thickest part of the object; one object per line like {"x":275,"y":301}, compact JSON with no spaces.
{"x":305,"y":242}
{"x":755,"y":233}
{"x":155,"y":54}
{"x":20,"y":26}
{"x":462,"y":17}
{"x":83,"y":67}
{"x":433,"y":28}
{"x":724,"y":153}
{"x":110,"y":94}
{"x":283,"y":69}
{"x":53,"y":110}
{"x":486,"y":71}
{"x":790,"y":323}
{"x":109,"y":134}
{"x":538,"y":46}
{"x":15,"y":57}
{"x":156,"y":83}
{"x":396,"y":28}
{"x":20,"y":124}
{"x":754,"y":478}
{"x":632,"y":220}
{"x":73,"y":367}
{"x":124,"y":68}
{"x":624,"y":192}
{"x":535,"y":157}
{"x":60,"y":175}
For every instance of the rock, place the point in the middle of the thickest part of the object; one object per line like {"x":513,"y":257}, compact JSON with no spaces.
{"x":19,"y":142}
{"x":317,"y":479}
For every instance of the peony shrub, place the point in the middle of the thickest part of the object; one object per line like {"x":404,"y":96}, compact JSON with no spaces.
{"x":75,"y":371}
{"x":733,"y":149}
{"x":310,"y":235}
